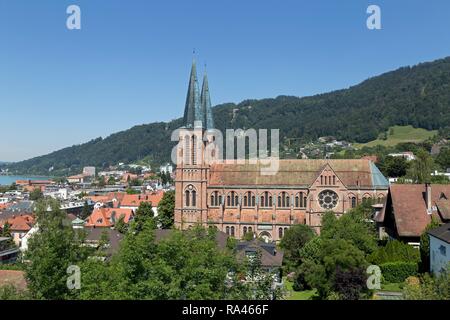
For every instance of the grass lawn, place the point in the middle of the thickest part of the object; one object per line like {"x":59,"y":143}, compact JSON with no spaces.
{"x":400,"y":134}
{"x":298,"y":295}
{"x":394,"y":287}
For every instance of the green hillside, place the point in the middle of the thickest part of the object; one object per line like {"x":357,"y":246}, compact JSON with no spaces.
{"x":399,"y":134}
{"x":418,"y":96}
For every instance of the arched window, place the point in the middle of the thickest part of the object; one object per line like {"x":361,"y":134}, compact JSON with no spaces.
{"x":249,"y":199}
{"x":321,"y":179}
{"x":334,"y":180}
{"x":250,"y":229}
{"x":194,"y":150}
{"x":232,"y":231}
{"x":266,"y":199}
{"x":187,"y":195}
{"x":280,"y":233}
{"x":283,"y":200}
{"x":227,"y":230}
{"x":245,"y":230}
{"x":353,"y":199}
{"x":263,"y":204}
{"x":232,"y":199}
{"x":194,"y":198}
{"x":216,"y":200}
{"x":300,"y":200}
{"x":187,"y":144}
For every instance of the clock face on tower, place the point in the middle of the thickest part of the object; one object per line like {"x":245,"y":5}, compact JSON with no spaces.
{"x":328,"y":199}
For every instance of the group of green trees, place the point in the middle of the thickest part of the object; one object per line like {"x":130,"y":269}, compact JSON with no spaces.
{"x":336,"y":262}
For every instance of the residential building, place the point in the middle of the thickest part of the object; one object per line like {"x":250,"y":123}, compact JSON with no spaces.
{"x":409,"y":209}
{"x":132,"y":201}
{"x":107,"y":217}
{"x":409,"y":156}
{"x":89,"y":171}
{"x":439,"y":248}
{"x":8,"y":252}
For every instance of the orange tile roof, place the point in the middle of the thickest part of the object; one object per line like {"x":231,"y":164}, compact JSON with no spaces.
{"x":102,"y":217}
{"x":21,"y":223}
{"x":134,"y":200}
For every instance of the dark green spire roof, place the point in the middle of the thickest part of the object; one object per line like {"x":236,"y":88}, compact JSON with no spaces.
{"x":192,"y":110}
{"x":205,"y":99}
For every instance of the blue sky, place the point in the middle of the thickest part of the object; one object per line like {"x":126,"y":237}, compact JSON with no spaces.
{"x":130,"y":62}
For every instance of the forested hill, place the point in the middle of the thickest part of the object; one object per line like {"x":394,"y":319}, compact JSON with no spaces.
{"x":417,"y":96}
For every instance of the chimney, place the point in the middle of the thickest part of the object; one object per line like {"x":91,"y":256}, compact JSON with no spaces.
{"x":428,"y":197}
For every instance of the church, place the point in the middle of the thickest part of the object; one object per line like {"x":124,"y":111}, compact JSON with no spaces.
{"x":236,"y":198}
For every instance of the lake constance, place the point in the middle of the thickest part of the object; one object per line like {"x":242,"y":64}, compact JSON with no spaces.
{"x":8,"y":180}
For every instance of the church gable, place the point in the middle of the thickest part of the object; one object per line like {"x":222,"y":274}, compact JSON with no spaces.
{"x":327,"y":178}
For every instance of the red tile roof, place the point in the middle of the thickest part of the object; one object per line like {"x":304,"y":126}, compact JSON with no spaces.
{"x":410,"y":208}
{"x":21,"y":223}
{"x":134,"y":200}
{"x":102,"y":217}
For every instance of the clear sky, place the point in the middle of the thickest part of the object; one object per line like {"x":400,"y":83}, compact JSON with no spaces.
{"x":129,"y":64}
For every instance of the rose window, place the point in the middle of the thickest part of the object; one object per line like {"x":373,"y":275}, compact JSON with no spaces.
{"x":328,"y":199}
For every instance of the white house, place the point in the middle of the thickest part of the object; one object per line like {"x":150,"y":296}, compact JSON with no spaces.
{"x":167,"y":168}
{"x":409,"y":156}
{"x":439,"y":248}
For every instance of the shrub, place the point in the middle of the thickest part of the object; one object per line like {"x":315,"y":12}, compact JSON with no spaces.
{"x":398,"y":271}
{"x":395,"y":251}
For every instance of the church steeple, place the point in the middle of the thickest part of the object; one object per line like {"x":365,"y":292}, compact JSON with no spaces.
{"x":206,"y":105}
{"x":192,"y":109}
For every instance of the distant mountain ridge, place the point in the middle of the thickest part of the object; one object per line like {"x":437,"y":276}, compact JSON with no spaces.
{"x":417,"y":96}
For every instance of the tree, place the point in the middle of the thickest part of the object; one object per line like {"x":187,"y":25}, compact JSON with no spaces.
{"x":248,"y":236}
{"x":335,"y":255}
{"x":293,"y":240}
{"x":425,"y":245}
{"x":354,"y":226}
{"x":6,"y":233}
{"x":101,"y":182}
{"x":111,"y":180}
{"x":428,"y":288}
{"x":51,"y":250}
{"x":36,"y":194}
{"x":443,"y":158}
{"x":86,"y":211}
{"x":394,"y":251}
{"x":121,"y":226}
{"x":143,"y":214}
{"x":349,"y":284}
{"x":166,"y":209}
{"x":393,"y":166}
{"x":421,"y":168}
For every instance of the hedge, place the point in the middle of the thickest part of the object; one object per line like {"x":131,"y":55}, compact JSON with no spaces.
{"x":398,"y":271}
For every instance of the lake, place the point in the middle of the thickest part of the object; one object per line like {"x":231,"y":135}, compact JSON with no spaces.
{"x":8,"y":180}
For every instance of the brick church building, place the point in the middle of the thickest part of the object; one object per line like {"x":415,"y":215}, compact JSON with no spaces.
{"x":237,"y":198}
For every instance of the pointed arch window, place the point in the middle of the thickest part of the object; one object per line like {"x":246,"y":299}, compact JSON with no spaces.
{"x":187,"y":196}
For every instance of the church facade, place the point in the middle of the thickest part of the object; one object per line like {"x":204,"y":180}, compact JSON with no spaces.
{"x":237,"y":198}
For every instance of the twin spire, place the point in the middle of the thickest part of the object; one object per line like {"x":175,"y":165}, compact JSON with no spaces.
{"x":197,"y":111}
